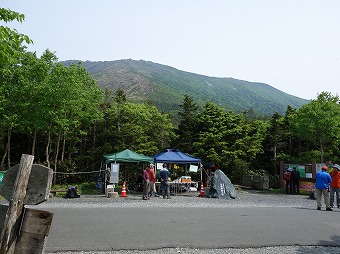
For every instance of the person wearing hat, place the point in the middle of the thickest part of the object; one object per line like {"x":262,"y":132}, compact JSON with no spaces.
{"x":323,"y":179}
{"x":152,"y":181}
{"x":335,"y":185}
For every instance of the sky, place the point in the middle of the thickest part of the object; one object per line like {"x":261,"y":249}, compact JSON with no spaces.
{"x":292,"y":45}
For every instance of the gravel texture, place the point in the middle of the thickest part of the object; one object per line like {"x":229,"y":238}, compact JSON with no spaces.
{"x":245,"y":198}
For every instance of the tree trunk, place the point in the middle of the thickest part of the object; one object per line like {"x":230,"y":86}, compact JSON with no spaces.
{"x":34,"y":141}
{"x":47,"y":151}
{"x":290,"y":146}
{"x":7,"y":149}
{"x":56,"y":153}
{"x":118,"y":119}
{"x":275,"y":158}
{"x":321,"y":151}
{"x":63,"y":149}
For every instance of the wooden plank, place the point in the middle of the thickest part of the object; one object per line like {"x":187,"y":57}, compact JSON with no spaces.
{"x":14,"y":213}
{"x":38,"y":187}
{"x":34,"y":231}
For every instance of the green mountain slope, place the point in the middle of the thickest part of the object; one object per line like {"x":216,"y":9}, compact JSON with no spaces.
{"x":166,"y":87}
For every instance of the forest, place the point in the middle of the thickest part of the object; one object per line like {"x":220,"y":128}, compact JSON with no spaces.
{"x":60,"y":115}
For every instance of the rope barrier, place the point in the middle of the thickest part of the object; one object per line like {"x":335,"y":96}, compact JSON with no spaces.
{"x":81,"y":172}
{"x":76,"y":173}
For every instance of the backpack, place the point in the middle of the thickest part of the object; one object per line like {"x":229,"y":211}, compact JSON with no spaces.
{"x":288,"y":176}
{"x":295,"y":175}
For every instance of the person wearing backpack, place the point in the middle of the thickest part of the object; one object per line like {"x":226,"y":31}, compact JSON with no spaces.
{"x":288,"y":179}
{"x":296,"y":181}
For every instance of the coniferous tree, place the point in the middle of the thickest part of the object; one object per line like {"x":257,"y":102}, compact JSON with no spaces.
{"x":187,"y":128}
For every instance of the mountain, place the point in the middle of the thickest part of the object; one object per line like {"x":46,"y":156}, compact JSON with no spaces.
{"x":166,"y":86}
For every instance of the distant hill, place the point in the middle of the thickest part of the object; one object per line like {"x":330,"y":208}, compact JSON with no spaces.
{"x":166,"y":86}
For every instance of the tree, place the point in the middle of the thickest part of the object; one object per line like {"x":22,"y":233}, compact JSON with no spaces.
{"x":72,"y":100}
{"x":318,"y":122}
{"x":275,"y":137}
{"x":225,"y":137}
{"x":187,"y":127}
{"x":11,"y":41}
{"x":120,"y":98}
{"x":290,"y":139}
{"x":11,"y":50}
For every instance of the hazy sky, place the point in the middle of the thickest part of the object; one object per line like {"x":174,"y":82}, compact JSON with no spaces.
{"x":292,"y":45}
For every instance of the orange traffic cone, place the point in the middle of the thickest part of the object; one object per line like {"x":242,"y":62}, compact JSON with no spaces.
{"x":201,"y":195}
{"x":123,"y":191}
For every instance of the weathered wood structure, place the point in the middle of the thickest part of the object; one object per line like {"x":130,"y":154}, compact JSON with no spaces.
{"x":25,"y":230}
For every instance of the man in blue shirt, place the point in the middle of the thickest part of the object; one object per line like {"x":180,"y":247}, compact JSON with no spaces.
{"x":164,"y":174}
{"x":323,"y":179}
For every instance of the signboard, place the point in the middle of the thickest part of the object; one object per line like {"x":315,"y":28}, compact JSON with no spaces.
{"x":193,"y":168}
{"x":319,"y":166}
{"x":300,"y":168}
{"x":308,"y":170}
{"x":114,"y":174}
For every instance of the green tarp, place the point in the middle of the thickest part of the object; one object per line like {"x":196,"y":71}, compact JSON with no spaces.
{"x":127,"y":156}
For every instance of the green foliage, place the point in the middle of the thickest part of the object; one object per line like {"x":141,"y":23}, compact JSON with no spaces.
{"x":137,"y":126}
{"x":224,"y":137}
{"x":188,"y":126}
{"x":11,"y":41}
{"x":318,"y":122}
{"x":83,"y":188}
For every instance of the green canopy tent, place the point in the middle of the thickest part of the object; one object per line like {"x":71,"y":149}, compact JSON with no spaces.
{"x":127,"y":156}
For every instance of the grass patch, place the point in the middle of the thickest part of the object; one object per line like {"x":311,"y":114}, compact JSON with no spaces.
{"x":82,"y":189}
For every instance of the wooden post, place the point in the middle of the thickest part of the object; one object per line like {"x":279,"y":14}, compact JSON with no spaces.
{"x":14,"y":213}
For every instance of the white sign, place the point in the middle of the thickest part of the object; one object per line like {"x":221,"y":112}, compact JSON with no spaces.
{"x":114,"y":176}
{"x":193,"y":168}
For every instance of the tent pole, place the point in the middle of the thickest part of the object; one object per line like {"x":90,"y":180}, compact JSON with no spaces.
{"x":201,"y":171}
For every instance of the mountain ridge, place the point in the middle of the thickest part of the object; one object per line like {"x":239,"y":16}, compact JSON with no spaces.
{"x":166,"y":86}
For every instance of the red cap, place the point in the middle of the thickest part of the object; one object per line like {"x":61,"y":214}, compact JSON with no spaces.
{"x":324,"y":168}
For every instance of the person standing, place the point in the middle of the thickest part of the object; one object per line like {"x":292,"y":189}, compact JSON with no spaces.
{"x":323,"y":179}
{"x":335,"y":185}
{"x":146,"y":183}
{"x":296,"y":181}
{"x":288,"y":179}
{"x":152,"y":181}
{"x":164,"y":174}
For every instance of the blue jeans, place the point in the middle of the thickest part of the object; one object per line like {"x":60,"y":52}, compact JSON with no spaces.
{"x":332,"y":192}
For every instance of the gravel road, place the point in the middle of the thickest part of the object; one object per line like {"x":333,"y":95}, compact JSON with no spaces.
{"x":246,"y":198}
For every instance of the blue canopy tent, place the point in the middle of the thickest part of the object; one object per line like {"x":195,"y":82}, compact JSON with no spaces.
{"x":175,"y":156}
